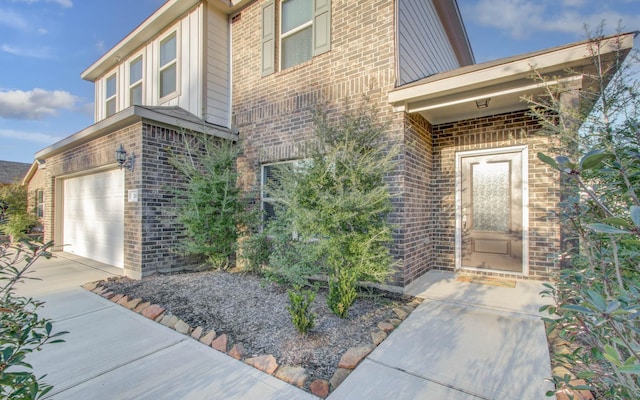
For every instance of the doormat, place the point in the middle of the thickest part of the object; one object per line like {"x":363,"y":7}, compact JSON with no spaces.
{"x":487,"y":280}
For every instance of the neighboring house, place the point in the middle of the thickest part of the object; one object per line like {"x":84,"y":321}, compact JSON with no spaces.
{"x":471,"y":193}
{"x":12,"y":172}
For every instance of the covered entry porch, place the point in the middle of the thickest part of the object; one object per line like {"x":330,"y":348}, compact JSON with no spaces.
{"x":493,"y":204}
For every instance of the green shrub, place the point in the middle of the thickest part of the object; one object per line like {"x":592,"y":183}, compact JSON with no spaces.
{"x":335,"y":204}
{"x":597,"y":293}
{"x":342,"y":293}
{"x":300,"y":303}
{"x":22,"y":331}
{"x":255,"y":251}
{"x":209,"y":205}
{"x":19,"y":225}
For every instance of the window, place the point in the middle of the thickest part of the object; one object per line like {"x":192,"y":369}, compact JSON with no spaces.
{"x":304,"y":32}
{"x":270,"y":180}
{"x":110,"y":97}
{"x":268,"y":202}
{"x":296,"y":33}
{"x":39,"y":203}
{"x":168,"y":65}
{"x":135,"y":82}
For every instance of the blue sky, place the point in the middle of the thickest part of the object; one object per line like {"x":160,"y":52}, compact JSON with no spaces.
{"x":46,"y":44}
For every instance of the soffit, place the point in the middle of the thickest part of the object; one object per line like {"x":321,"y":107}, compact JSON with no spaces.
{"x":451,"y":96}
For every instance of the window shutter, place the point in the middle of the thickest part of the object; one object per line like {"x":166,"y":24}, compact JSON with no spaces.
{"x":268,"y":37}
{"x":321,"y":26}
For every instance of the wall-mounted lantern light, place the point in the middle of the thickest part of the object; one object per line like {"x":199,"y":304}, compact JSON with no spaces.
{"x":123,"y":160}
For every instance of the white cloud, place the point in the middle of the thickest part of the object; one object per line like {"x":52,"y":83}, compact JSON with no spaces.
{"x":12,"y":19}
{"x":523,"y":18}
{"x":62,"y":3}
{"x":34,"y":104}
{"x":29,"y":136}
{"x":26,"y":52}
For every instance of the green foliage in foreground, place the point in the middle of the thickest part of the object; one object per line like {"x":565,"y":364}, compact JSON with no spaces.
{"x":22,"y":331}
{"x":597,"y":294}
{"x":332,"y":207}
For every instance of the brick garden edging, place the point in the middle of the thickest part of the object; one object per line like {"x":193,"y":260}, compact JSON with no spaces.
{"x":266,"y":363}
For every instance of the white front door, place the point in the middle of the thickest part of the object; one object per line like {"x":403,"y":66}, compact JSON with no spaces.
{"x":94,"y":216}
{"x":491,"y":193}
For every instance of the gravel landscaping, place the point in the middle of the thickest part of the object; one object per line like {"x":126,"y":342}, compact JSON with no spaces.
{"x":252,"y":312}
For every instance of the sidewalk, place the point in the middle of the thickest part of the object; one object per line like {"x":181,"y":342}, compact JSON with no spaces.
{"x":465,"y":341}
{"x":113,"y":353}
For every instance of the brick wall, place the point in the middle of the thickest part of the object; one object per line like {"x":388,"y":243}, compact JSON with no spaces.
{"x":161,"y":235}
{"x":274,"y":114}
{"x":503,"y":130}
{"x":417,"y":223}
{"x":151,"y":234}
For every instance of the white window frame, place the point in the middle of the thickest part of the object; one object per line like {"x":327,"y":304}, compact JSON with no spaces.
{"x":162,"y":68}
{"x":284,"y":35}
{"x":113,"y":97}
{"x":139,"y":82}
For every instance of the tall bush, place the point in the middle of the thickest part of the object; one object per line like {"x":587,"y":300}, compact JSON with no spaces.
{"x":336,"y":202}
{"x":597,"y":293}
{"x":210,"y":205}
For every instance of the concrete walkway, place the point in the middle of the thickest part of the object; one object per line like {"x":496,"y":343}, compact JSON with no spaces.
{"x":465,"y":341}
{"x":113,"y":353}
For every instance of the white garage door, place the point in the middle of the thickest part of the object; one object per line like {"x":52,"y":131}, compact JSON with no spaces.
{"x":94,"y":217}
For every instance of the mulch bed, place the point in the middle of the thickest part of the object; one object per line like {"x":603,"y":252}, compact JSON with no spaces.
{"x":252,"y":311}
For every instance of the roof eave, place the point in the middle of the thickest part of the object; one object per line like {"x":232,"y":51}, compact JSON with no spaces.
{"x":453,"y":24}
{"x":559,"y":60}
{"x":126,"y":118}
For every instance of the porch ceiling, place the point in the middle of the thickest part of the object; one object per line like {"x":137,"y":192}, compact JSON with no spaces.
{"x":451,"y":96}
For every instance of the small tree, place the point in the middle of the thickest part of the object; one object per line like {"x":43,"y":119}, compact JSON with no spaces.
{"x":210,"y":206}
{"x":15,"y":219}
{"x":336,"y":203}
{"x":597,"y":294}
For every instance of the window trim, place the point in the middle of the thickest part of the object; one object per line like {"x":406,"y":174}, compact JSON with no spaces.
{"x":168,"y":65}
{"x":291,"y":32}
{"x":140,"y":82}
{"x":113,"y":97}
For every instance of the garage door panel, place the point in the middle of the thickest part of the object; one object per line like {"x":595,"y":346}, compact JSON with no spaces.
{"x":94,"y":216}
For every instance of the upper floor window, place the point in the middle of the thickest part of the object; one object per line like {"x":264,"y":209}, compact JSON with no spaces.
{"x":135,"y":82}
{"x":296,"y":33}
{"x":111,"y":86}
{"x":168,"y":65}
{"x":304,"y":32}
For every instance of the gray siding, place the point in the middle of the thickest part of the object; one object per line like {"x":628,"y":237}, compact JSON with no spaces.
{"x":218,"y":99}
{"x":423,"y":45}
